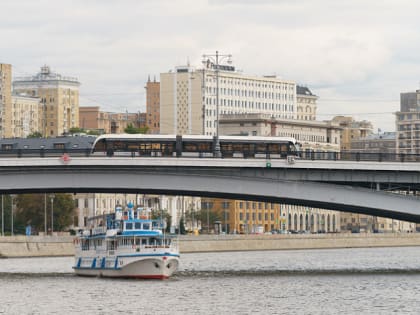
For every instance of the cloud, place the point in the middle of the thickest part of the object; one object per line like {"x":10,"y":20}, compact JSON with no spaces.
{"x":358,"y":50}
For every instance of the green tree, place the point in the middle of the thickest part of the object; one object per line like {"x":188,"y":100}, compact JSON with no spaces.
{"x":35,"y":134}
{"x":30,"y":209}
{"x":157,"y":214}
{"x":74,"y":130}
{"x":133,"y":130}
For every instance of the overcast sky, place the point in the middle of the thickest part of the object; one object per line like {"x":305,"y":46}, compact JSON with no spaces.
{"x":356,"y":55}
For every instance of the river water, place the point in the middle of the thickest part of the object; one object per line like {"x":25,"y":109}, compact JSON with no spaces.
{"x":335,"y":281}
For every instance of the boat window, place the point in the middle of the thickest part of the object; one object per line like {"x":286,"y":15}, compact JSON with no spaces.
{"x":137,"y":226}
{"x":143,"y":241}
{"x":129,"y":226}
{"x":146,"y":226}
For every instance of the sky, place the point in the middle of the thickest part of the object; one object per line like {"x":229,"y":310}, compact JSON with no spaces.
{"x":357,"y":56}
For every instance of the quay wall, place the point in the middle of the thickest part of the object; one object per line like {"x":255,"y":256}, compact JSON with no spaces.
{"x":41,"y":246}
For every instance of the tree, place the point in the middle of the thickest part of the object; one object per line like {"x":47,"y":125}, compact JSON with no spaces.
{"x":74,"y":130}
{"x":35,"y":134}
{"x":157,"y":214}
{"x":30,"y":209}
{"x":133,"y":130}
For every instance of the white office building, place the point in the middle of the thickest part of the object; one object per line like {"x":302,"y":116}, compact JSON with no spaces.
{"x":189,"y":98}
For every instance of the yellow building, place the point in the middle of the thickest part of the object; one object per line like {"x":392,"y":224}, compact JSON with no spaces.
{"x":256,"y":217}
{"x":5,"y":100}
{"x":352,"y":130}
{"x":153,"y":106}
{"x":59,"y":97}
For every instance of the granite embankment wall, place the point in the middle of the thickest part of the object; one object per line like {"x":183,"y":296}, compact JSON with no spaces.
{"x":38,"y":246}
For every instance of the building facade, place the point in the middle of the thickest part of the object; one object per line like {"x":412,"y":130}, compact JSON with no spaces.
{"x":153,"y":106}
{"x":5,"y":100}
{"x":92,"y":118}
{"x":313,"y":136}
{"x":254,"y":217}
{"x":189,"y":98}
{"x":352,"y":130}
{"x":306,"y":103}
{"x":408,"y":123}
{"x":376,"y":143}
{"x":25,"y":116}
{"x":59,"y":96}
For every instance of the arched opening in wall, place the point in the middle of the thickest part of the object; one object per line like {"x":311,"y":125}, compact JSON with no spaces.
{"x":312,"y":224}
{"x":322,"y":226}
{"x":328,"y":223}
{"x":295,"y":222}
{"x":334,"y":229}
{"x":289,"y":222}
{"x":301,"y":223}
{"x":306,"y":222}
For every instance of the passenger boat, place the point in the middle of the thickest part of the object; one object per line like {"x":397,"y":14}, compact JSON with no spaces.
{"x":126,"y":244}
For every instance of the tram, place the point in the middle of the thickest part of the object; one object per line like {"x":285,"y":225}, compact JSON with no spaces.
{"x":147,"y":145}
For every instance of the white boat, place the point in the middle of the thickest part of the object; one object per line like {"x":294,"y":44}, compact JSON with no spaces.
{"x":126,"y":244}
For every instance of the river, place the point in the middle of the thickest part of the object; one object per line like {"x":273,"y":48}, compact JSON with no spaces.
{"x":334,"y":281}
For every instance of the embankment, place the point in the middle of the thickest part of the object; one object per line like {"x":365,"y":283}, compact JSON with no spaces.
{"x":38,"y":246}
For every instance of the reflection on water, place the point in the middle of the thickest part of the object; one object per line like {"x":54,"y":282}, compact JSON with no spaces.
{"x":349,"y":281}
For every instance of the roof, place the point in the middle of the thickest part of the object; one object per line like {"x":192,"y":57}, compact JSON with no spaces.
{"x":79,"y":142}
{"x":303,"y":90}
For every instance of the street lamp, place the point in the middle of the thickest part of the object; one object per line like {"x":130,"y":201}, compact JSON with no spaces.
{"x":52,"y":196}
{"x":2,"y":215}
{"x":12,"y":210}
{"x":208,"y":217}
{"x":212,"y":61}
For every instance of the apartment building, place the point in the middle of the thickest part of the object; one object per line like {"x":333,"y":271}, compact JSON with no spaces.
{"x":59,"y":97}
{"x":408,"y":123}
{"x":5,"y":100}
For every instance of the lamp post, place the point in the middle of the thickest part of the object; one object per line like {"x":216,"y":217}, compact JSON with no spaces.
{"x":208,"y":217}
{"x":45,"y":214}
{"x":213,"y":61}
{"x":12,"y":197}
{"x":52,"y":213}
{"x":2,"y":215}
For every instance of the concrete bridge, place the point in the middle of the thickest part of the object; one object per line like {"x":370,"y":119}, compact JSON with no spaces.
{"x":360,"y":187}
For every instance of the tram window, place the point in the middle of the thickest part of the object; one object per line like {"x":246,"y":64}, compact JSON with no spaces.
{"x":260,"y":147}
{"x":189,"y":147}
{"x":137,"y":225}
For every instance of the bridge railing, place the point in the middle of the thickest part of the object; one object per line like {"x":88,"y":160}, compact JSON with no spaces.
{"x":304,"y":155}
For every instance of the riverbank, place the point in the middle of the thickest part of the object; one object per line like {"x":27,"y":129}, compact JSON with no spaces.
{"x":41,"y":246}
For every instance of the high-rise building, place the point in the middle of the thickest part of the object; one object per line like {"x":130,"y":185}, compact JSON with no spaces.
{"x":5,"y":100}
{"x":188,"y":98}
{"x":153,"y":106}
{"x":408,"y":123}
{"x":59,"y":97}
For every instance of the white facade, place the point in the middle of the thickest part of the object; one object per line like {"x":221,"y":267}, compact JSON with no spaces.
{"x":189,"y":98}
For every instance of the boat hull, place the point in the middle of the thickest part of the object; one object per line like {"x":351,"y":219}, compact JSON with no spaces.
{"x":134,"y":267}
